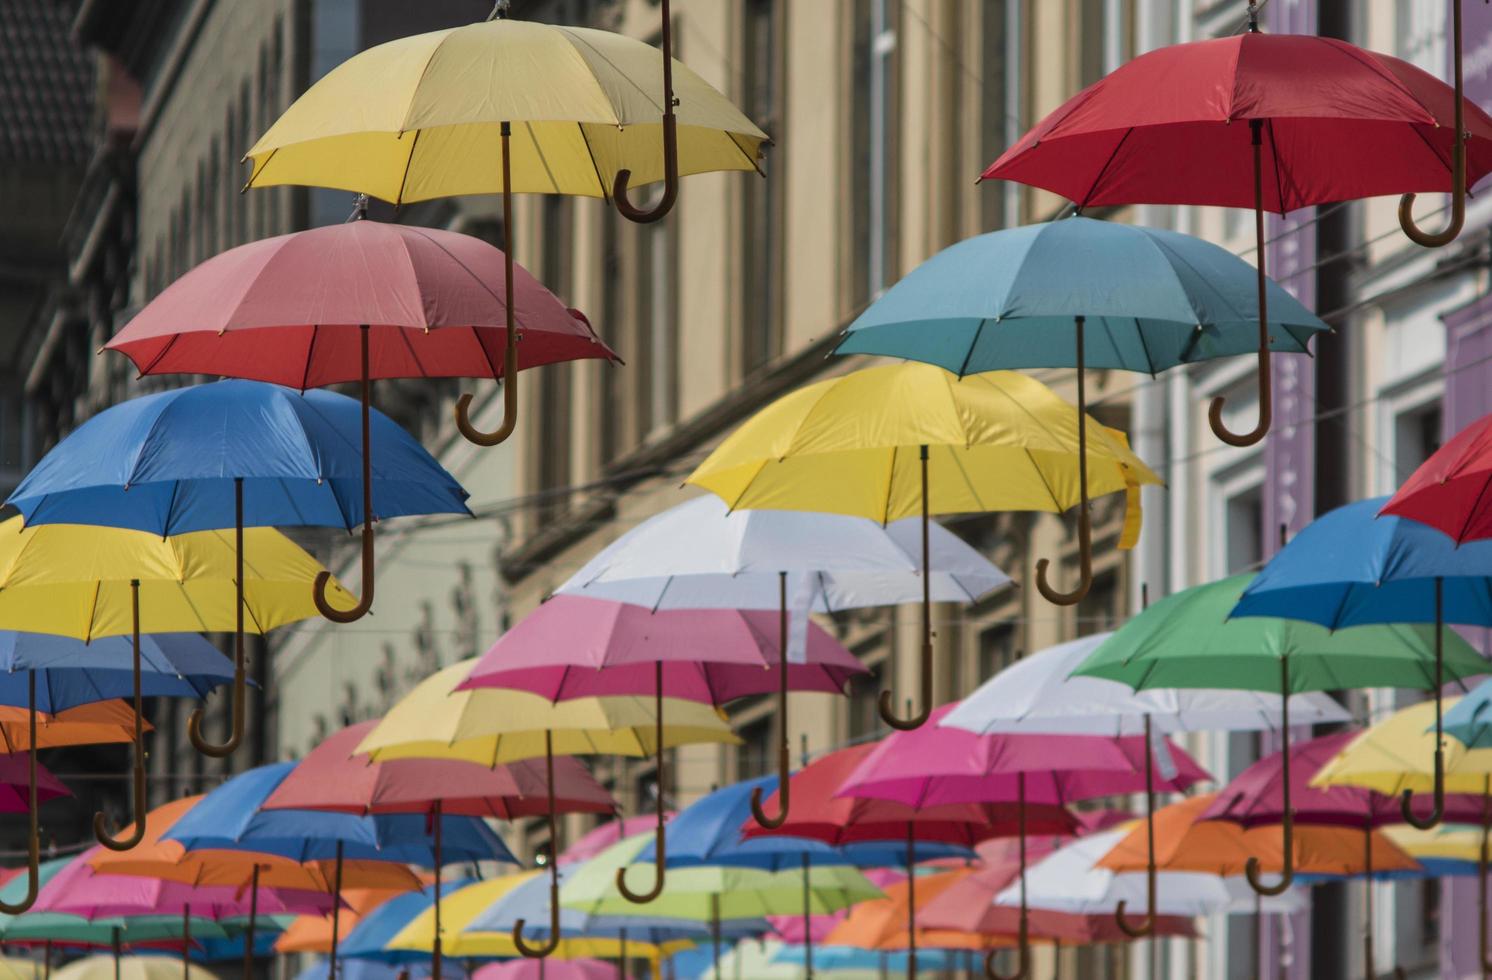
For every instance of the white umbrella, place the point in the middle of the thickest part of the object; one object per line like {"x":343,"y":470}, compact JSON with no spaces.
{"x":702,"y":555}
{"x":1038,"y":695}
{"x":1067,"y":880}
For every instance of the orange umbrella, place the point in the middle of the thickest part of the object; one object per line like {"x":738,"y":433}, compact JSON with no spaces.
{"x":88,"y":724}
{"x":167,"y":859}
{"x":881,"y":923}
{"x":1185,"y":843}
{"x":313,"y":933}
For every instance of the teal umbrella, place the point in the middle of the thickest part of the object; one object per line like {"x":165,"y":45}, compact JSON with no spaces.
{"x":1081,"y":293}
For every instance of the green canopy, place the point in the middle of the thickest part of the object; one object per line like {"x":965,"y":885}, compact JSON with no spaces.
{"x":701,"y":893}
{"x":1187,"y":640}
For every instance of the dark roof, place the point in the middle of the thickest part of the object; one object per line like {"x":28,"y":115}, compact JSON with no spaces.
{"x":46,"y":85}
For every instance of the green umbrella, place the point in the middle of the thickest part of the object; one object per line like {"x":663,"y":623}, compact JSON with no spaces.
{"x":710,"y":893}
{"x":1187,"y":640}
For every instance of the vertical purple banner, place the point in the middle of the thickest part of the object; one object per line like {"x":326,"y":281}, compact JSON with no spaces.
{"x":1476,"y":57}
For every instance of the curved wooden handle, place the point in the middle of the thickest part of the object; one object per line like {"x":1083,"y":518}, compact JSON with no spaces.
{"x":510,"y":348}
{"x":1405,"y":803}
{"x":194,"y":723}
{"x":665,"y":203}
{"x":1023,"y":953}
{"x":1437,"y":813}
{"x":1146,"y":926}
{"x":552,"y":943}
{"x":1085,"y":526}
{"x":784,"y":756}
{"x":324,"y":578}
{"x":1266,"y":387}
{"x":100,"y":822}
{"x":1251,"y":868}
{"x":33,"y":843}
{"x":1458,"y":166}
{"x":660,"y":838}
{"x":886,"y":702}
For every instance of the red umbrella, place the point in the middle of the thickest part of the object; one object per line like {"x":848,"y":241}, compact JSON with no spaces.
{"x":333,"y":778}
{"x":355,"y":302}
{"x":1271,"y":122}
{"x":1450,"y":490}
{"x":820,"y":813}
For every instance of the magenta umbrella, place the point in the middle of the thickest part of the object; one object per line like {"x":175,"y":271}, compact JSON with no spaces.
{"x":576,"y":647}
{"x":932,"y":766}
{"x":14,"y":782}
{"x":527,"y":969}
{"x":333,"y":778}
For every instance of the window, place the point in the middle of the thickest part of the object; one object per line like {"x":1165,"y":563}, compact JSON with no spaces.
{"x":755,"y":756}
{"x":997,"y":650}
{"x":761,"y":199}
{"x":865,"y":689}
{"x":1245,"y":541}
{"x":1417,"y":434}
{"x":1102,"y":608}
{"x":871,"y":162}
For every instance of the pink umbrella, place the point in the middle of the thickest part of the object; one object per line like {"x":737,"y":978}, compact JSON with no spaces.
{"x":575,"y":647}
{"x":333,"y":778}
{"x":599,"y":839}
{"x":932,"y":765}
{"x":14,"y":782}
{"x":527,"y":969}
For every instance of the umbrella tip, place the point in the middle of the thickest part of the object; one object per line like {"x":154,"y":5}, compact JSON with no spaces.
{"x":499,"y":10}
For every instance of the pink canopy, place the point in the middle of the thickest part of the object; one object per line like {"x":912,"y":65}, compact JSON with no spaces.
{"x":602,"y":837}
{"x":930,"y":766}
{"x":14,"y":781}
{"x":709,"y":655}
{"x":332,"y":778}
{"x":548,"y":969}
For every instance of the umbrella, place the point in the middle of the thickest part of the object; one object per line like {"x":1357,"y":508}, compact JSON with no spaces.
{"x":580,"y":129}
{"x":234,"y":454}
{"x":89,"y":582}
{"x":598,"y":839}
{"x":369,"y":939}
{"x":1187,"y":640}
{"x":951,"y":765}
{"x":314,"y":933}
{"x":887,"y":442}
{"x":88,"y":724}
{"x":367,"y":970}
{"x":1039,"y":694}
{"x":333,"y":777}
{"x":850,"y":962}
{"x":1446,"y":491}
{"x":715,"y":892}
{"x":490,"y":726}
{"x":129,"y":968}
{"x":703,"y":554}
{"x":463,"y":906}
{"x":883,"y":923}
{"x":575,"y":647}
{"x":15,"y":780}
{"x":1468,"y":721}
{"x":1326,"y":121}
{"x":301,"y":297}
{"x":576,"y":969}
{"x":1379,"y":570}
{"x":1077,"y":293}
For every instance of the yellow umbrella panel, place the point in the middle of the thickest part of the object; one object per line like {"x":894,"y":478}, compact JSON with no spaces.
{"x":87,"y":582}
{"x":507,"y":107}
{"x":895,"y":440}
{"x":1391,"y":757}
{"x":490,"y":726}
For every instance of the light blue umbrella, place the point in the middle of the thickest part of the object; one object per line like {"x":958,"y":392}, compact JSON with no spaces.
{"x":854,"y":958}
{"x":369,"y":939}
{"x":1350,"y":567}
{"x":236,"y":454}
{"x":1083,"y":293}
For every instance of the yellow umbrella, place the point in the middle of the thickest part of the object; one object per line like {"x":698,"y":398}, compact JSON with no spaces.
{"x":88,"y":582}
{"x":1390,"y":757}
{"x":503,"y":107}
{"x":891,"y":441}
{"x":491,"y":726}
{"x":464,"y":905}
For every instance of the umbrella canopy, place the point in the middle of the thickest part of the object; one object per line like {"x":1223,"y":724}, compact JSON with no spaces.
{"x":582,"y":103}
{"x":71,"y":672}
{"x":231,"y":818}
{"x":370,"y":938}
{"x":333,"y":777}
{"x":66,"y":929}
{"x":703,"y":554}
{"x":577,"y":647}
{"x":1168,"y":128}
{"x":313,"y":933}
{"x":1396,"y":754}
{"x":842,"y":962}
{"x":823,"y":814}
{"x":714,"y":891}
{"x":525,"y":969}
{"x":1468,"y":720}
{"x":882,"y":923}
{"x":1447,"y":490}
{"x":1040,"y":693}
{"x":130,"y":968}
{"x":465,"y":903}
{"x":360,"y":969}
{"x":939,"y":765}
{"x":1187,"y":840}
{"x":14,"y":780}
{"x":80,"y":889}
{"x":172,"y":462}
{"x":490,"y":726}
{"x":158,"y":857}
{"x":99,"y":723}
{"x":1147,"y":299}
{"x":291,"y":309}
{"x":1068,"y":880}
{"x":594,"y":841}
{"x":1188,"y":640}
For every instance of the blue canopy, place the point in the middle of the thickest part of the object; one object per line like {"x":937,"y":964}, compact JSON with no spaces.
{"x":1469,"y":721}
{"x":360,"y":969}
{"x":70,"y":672}
{"x":1351,"y":567}
{"x":708,"y":832}
{"x":854,"y":958}
{"x":378,"y":928}
{"x":1151,"y":299}
{"x":167,"y":463}
{"x":230,"y":818}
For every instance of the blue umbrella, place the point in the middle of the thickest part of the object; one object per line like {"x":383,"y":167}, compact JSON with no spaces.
{"x":238,"y":454}
{"x":1351,"y":567}
{"x":373,"y":970}
{"x":369,"y":939}
{"x":855,"y":958}
{"x":1084,"y":293}
{"x":1469,"y":721}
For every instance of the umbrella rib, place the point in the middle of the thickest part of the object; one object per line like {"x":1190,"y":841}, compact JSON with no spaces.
{"x":408,"y":163}
{"x":1105,"y":168}
{"x":1279,"y":185}
{"x":1465,"y":531}
{"x":749,"y":158}
{"x":305,"y":374}
{"x":968,"y":354}
{"x":163,"y":351}
{"x":595,"y":167}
